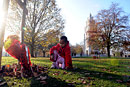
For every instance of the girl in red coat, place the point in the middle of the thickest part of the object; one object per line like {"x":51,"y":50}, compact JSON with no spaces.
{"x":63,"y":50}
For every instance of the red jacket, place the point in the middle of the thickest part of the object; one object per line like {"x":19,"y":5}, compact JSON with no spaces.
{"x":63,"y":52}
{"x":18,"y":51}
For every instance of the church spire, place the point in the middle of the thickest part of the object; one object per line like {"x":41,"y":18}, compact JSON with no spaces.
{"x":91,"y":17}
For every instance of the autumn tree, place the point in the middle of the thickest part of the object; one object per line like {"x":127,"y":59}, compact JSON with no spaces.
{"x":112,"y":23}
{"x":76,"y":49}
{"x":51,"y":38}
{"x":95,"y":37}
{"x":43,"y":15}
{"x":73,"y":50}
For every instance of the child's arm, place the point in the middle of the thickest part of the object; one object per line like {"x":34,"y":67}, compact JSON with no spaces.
{"x":52,"y":50}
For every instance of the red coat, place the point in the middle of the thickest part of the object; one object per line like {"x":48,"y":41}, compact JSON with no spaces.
{"x":18,"y":51}
{"x":63,"y":52}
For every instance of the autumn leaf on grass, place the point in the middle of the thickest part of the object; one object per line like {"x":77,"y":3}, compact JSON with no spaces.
{"x":43,"y":77}
{"x":109,"y":70}
{"x":88,"y":85}
{"x":110,"y":77}
{"x":42,"y":72}
{"x":89,"y":78}
{"x":97,"y":73}
{"x":70,"y":85}
{"x":56,"y":74}
{"x":81,"y":79}
{"x":84,"y":82}
{"x":119,"y":81}
{"x":74,"y":82}
{"x":43,"y":82}
{"x":38,"y":78}
{"x":64,"y":72}
{"x":2,"y":83}
{"x":87,"y":73}
{"x":128,"y":84}
{"x":67,"y":80}
{"x":104,"y":69}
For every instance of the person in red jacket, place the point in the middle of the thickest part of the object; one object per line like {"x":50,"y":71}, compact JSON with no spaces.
{"x":63,"y":50}
{"x":19,"y":51}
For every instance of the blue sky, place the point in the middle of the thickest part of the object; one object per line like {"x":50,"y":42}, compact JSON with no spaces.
{"x":76,"y":12}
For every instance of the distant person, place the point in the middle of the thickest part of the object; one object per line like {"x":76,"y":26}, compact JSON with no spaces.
{"x":63,"y":50}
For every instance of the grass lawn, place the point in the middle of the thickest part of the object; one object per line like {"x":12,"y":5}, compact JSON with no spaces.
{"x":87,"y":72}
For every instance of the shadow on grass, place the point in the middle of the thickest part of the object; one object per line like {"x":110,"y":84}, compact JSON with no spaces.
{"x":3,"y":82}
{"x":86,"y":72}
{"x":49,"y":82}
{"x":100,"y":75}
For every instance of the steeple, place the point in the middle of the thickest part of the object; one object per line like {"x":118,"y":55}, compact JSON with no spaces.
{"x":91,"y":17}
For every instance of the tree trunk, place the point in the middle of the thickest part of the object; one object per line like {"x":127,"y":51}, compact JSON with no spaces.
{"x":108,"y":50}
{"x":36,"y":54}
{"x":44,"y":53}
{"x":32,"y":51}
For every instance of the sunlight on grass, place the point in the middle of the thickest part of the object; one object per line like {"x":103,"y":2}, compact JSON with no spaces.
{"x":87,"y":71}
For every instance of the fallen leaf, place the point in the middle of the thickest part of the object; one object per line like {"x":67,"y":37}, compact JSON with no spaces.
{"x":87,"y":73}
{"x":64,"y":72}
{"x":89,"y":78}
{"x":110,"y":77}
{"x":74,"y":82}
{"x":97,"y":73}
{"x":38,"y":78}
{"x":56,"y":74}
{"x":88,"y":86}
{"x":128,"y":84}
{"x":71,"y":85}
{"x":81,"y":79}
{"x":104,"y":69}
{"x":43,"y":78}
{"x":119,"y":81}
{"x":67,"y":80}
{"x":42,"y":72}
{"x":2,"y":83}
{"x":84,"y":82}
{"x":109,"y":70}
{"x":43,"y":82}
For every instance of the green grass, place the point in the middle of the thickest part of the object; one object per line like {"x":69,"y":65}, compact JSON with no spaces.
{"x":87,"y":72}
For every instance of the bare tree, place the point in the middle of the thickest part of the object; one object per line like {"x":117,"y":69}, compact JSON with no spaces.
{"x":112,"y":23}
{"x":43,"y":15}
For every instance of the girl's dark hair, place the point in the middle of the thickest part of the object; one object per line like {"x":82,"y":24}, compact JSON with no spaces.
{"x":64,"y":38}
